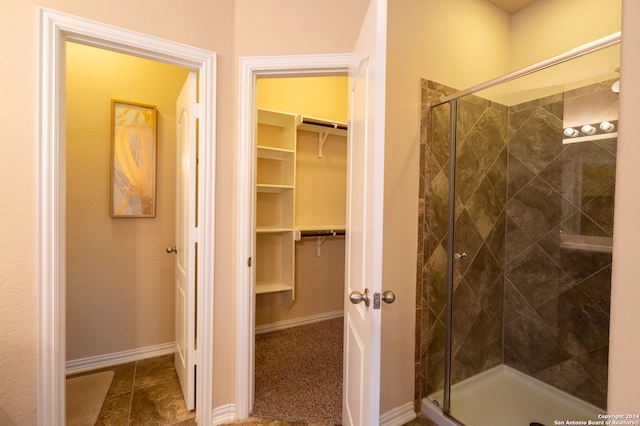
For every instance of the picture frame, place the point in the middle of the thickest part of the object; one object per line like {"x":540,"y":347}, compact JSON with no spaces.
{"x":133,"y":159}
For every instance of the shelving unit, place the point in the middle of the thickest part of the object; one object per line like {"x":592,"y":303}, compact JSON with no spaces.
{"x":276,"y":228}
{"x":275,"y":201}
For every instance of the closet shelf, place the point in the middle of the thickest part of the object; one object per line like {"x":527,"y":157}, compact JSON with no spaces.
{"x":272,"y":153}
{"x":272,"y":230}
{"x":323,"y":128}
{"x":263,"y":287}
{"x":274,"y":189}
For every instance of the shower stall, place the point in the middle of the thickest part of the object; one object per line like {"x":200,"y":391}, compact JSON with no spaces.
{"x":515,"y":240}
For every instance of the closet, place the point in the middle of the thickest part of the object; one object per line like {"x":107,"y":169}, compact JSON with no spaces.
{"x":300,"y":200}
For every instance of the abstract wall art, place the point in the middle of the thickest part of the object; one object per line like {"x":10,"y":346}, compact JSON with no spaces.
{"x":133,"y":159}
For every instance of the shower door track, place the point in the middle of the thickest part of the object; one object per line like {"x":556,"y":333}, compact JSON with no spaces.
{"x":583,"y":50}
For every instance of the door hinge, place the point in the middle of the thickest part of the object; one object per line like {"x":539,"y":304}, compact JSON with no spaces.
{"x":195,"y":110}
{"x":249,"y":262}
{"x":194,"y":235}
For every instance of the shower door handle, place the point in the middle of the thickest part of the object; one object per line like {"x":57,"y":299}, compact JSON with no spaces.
{"x":356,"y":297}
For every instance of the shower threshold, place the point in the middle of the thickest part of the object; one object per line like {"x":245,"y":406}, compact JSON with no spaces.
{"x":503,"y":396}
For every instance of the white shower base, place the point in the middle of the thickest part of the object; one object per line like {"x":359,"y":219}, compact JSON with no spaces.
{"x":503,"y":396}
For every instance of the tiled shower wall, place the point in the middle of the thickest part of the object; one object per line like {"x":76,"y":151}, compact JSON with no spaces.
{"x":527,"y":295}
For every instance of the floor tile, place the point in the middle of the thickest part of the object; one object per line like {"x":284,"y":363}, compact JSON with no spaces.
{"x":115,"y":410}
{"x":154,"y":371}
{"x":161,"y":404}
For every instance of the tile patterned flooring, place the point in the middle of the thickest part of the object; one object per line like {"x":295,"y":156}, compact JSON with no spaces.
{"x":147,"y":392}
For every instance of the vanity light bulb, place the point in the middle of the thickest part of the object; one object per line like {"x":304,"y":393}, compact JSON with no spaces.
{"x":607,"y":127}
{"x":588,"y":129}
{"x":570,"y":132}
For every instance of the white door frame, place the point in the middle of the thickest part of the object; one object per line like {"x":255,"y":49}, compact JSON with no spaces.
{"x":55,"y":29}
{"x":252,"y":67}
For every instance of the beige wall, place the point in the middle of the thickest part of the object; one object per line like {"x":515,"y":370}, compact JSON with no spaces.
{"x":258,"y":27}
{"x":459,"y":43}
{"x":230,"y":28}
{"x":203,"y":24}
{"x":550,"y":27}
{"x":120,"y":285}
{"x":470,"y":48}
{"x":624,"y":362}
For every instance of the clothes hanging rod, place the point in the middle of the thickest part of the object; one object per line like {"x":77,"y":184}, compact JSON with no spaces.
{"x":331,"y":233}
{"x":583,"y":50}
{"x":329,"y":124}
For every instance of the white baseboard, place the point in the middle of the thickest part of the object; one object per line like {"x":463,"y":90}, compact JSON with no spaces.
{"x":101,"y":361}
{"x":223,"y":414}
{"x":281,"y":325}
{"x":398,"y":416}
{"x":394,"y":417}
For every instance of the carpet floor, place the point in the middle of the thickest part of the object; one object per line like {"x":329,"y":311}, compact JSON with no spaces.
{"x":298,"y":374}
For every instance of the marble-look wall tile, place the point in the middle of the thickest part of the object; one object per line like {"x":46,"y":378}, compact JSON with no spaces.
{"x":538,"y":141}
{"x":557,"y":191}
{"x":520,"y":297}
{"x":535,"y":346}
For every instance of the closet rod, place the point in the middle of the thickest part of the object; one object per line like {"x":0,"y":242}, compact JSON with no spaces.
{"x":304,"y":234}
{"x":316,"y":122}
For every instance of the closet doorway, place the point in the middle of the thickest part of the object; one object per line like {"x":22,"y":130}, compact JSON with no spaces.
{"x":300,"y":211}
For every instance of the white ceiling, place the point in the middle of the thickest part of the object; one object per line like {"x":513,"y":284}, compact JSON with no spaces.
{"x":511,"y":6}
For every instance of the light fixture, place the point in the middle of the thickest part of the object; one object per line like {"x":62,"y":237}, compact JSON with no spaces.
{"x":607,"y":126}
{"x":588,"y":129}
{"x":570,"y":132}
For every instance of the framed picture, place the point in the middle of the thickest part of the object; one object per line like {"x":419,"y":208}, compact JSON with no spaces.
{"x":133,"y":159}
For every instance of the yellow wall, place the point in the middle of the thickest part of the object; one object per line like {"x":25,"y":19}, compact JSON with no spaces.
{"x":120,"y":285}
{"x":310,"y":96}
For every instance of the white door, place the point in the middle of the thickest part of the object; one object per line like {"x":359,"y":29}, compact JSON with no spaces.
{"x":185,"y":249}
{"x":361,"y":399}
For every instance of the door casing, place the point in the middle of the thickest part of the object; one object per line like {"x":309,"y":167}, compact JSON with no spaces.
{"x":252,"y":67}
{"x":55,"y":29}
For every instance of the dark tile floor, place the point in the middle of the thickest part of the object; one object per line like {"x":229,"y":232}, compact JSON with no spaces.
{"x":144,"y":392}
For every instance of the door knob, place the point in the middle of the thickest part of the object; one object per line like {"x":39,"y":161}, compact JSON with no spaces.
{"x":356,"y":297}
{"x":171,"y":250}
{"x":388,"y":296}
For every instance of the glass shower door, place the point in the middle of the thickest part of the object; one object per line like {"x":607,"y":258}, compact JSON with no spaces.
{"x":435,"y":186}
{"x":532,"y":256}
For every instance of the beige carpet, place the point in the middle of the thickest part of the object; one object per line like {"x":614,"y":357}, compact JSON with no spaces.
{"x":298,"y":374}
{"x":85,"y":396}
